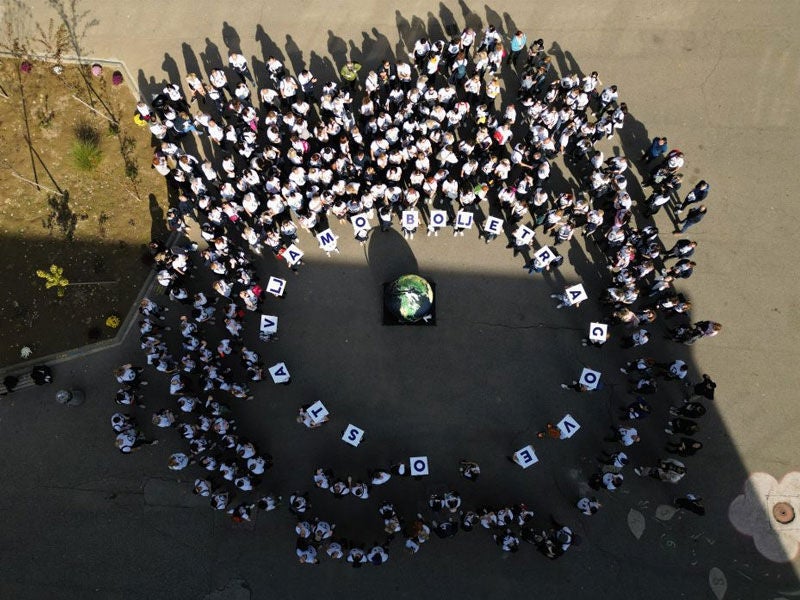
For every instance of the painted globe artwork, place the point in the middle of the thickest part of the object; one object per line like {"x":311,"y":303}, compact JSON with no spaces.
{"x":409,"y":298}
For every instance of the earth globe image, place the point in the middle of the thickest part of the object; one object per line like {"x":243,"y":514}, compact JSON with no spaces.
{"x":409,"y":298}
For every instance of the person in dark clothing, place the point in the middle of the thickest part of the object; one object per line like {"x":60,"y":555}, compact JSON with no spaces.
{"x":681,"y":425}
{"x":692,"y":410}
{"x":656,"y":150}
{"x":685,"y":447}
{"x":704,"y":389}
{"x":692,"y":503}
{"x":41,"y":374}
{"x":694,"y":216}
{"x":698,"y":194}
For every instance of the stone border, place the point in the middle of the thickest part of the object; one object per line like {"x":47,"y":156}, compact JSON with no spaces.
{"x":86,"y":60}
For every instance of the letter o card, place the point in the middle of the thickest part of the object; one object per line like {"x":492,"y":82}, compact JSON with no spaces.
{"x":544,"y":255}
{"x":598,"y":332}
{"x":317,"y":412}
{"x":410,"y":219}
{"x":276,"y":286}
{"x":438,"y":218}
{"x":327,"y":240}
{"x":464,"y":219}
{"x":418,"y":466}
{"x":279,"y":373}
{"x":589,"y":379}
{"x":293,"y":255}
{"x":568,"y":426}
{"x":269,"y":324}
{"x":493,"y":225}
{"x":576,"y":293}
{"x":525,"y":457}
{"x":360,"y":222}
{"x":353,"y":435}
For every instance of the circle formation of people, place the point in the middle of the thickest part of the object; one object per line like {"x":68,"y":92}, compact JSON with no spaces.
{"x":440,"y":132}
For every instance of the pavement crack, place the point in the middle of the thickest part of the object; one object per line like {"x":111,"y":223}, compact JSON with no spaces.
{"x":533,"y":326}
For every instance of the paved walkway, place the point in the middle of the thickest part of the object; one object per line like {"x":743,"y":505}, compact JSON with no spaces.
{"x":718,"y":78}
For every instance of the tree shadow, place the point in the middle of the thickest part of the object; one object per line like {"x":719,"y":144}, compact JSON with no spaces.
{"x":60,"y":216}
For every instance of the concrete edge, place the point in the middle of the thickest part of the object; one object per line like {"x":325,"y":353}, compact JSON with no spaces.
{"x":130,"y":82}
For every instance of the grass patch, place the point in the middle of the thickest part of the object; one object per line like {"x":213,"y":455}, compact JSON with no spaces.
{"x":85,"y":155}
{"x":86,"y":152}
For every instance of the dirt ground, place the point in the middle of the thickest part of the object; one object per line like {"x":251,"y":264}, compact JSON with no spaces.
{"x":96,"y":227}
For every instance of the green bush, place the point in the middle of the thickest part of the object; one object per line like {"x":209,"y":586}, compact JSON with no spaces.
{"x":86,"y":155}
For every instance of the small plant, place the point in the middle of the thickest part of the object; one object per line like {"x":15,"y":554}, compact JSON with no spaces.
{"x":101,"y":223}
{"x":86,"y":156}
{"x":54,"y":278}
{"x":45,"y":114}
{"x":113,"y":321}
{"x":116,"y":78}
{"x":86,"y":150}
{"x":86,"y":132}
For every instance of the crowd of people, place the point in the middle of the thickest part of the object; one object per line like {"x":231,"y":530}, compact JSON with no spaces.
{"x":469,"y":125}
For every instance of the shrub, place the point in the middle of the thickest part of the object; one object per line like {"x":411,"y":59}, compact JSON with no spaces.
{"x":86,"y":156}
{"x":87,"y":133}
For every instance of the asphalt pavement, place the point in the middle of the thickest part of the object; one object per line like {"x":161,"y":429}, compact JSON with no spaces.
{"x":718,"y":78}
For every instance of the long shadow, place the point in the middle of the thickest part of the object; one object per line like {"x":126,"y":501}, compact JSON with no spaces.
{"x":158,"y":224}
{"x":337,"y":48}
{"x":356,"y":55}
{"x":322,"y":68}
{"x":434,"y":29}
{"x":574,"y":67}
{"x":190,"y":60}
{"x":471,"y":18}
{"x":511,"y":25}
{"x":211,"y":57}
{"x":230,"y":37}
{"x":295,"y":54}
{"x":380,"y":47}
{"x":170,"y":67}
{"x":389,"y":256}
{"x":268,"y":46}
{"x":448,"y":20}
{"x":561,"y":60}
{"x":148,"y":87}
{"x":493,"y":18}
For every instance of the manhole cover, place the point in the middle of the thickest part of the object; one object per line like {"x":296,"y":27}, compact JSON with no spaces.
{"x":783,"y":512}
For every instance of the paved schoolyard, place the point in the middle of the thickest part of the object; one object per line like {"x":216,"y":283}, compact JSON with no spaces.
{"x":719,"y":79}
